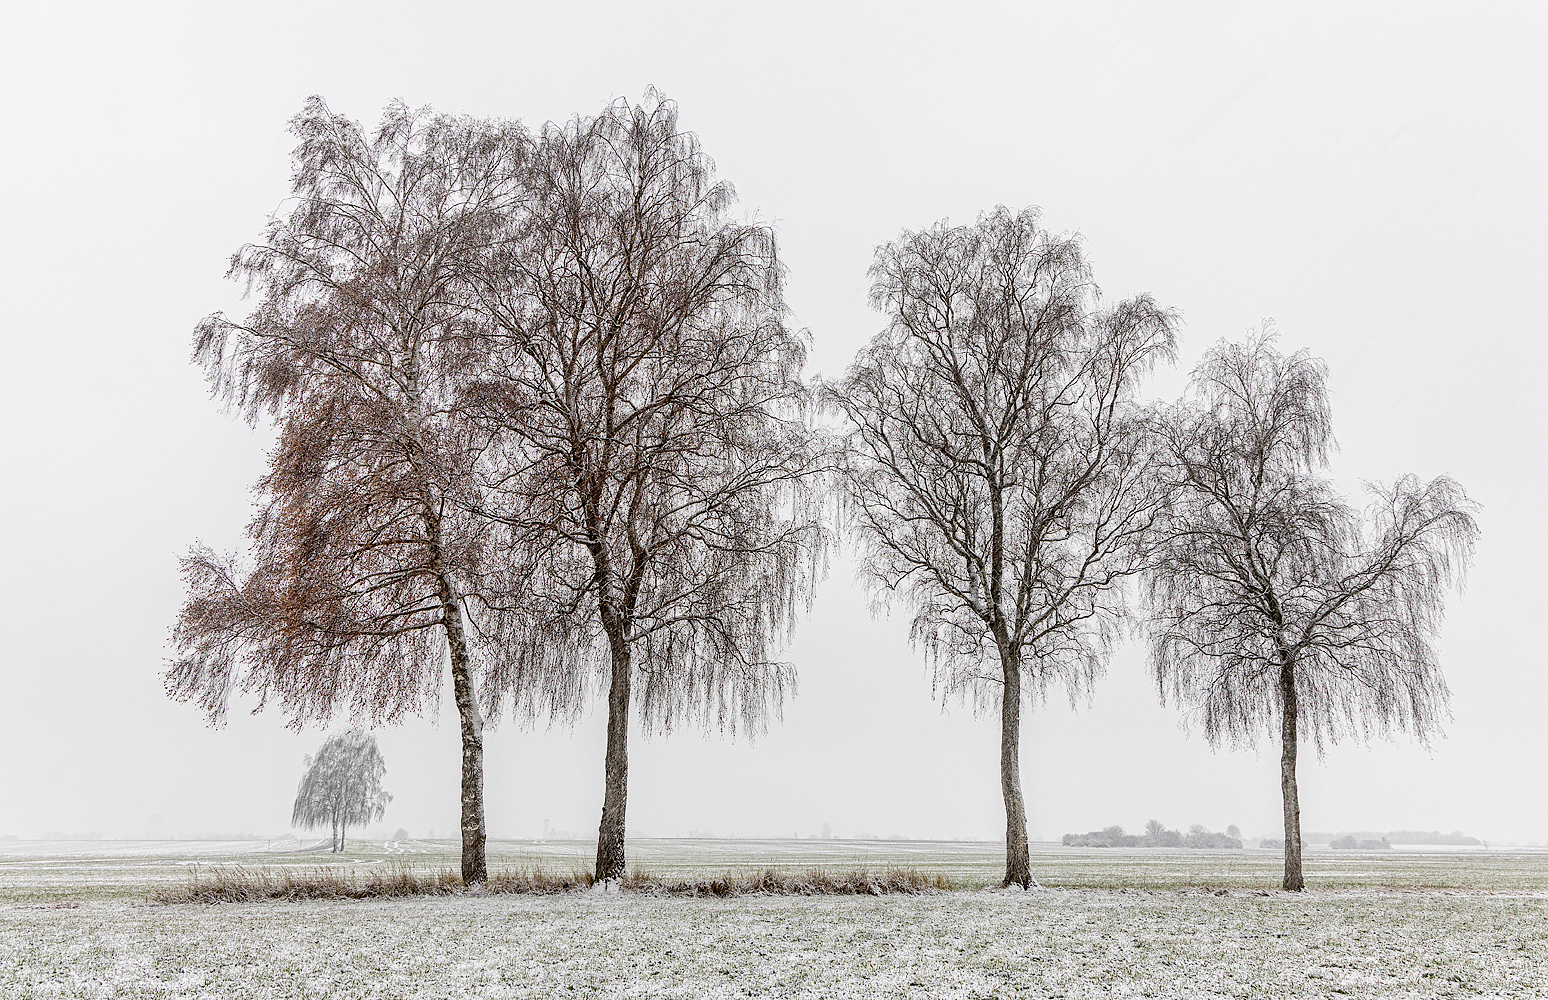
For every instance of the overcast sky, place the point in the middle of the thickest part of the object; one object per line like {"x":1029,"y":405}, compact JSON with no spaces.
{"x":1370,"y":177}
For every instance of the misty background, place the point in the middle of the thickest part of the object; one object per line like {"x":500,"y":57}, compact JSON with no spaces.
{"x":1370,"y":177}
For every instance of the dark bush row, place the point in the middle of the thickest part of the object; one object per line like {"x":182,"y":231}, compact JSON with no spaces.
{"x":1349,"y":843}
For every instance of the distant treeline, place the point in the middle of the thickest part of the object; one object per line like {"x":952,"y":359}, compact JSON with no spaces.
{"x":1156,"y":835}
{"x":1455,"y":838}
{"x":1370,"y":841}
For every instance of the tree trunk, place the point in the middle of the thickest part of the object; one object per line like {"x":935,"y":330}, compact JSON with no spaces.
{"x":615,"y":797}
{"x":474,"y":866}
{"x":1018,"y":861}
{"x":342,"y":831}
{"x":1291,"y":709}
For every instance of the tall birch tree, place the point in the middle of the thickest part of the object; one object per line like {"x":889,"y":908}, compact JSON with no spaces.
{"x":1274,"y":604}
{"x":358,"y":587}
{"x":651,"y":452}
{"x":998,"y":473}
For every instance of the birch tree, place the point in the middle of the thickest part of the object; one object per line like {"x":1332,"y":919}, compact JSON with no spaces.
{"x":342,"y":786}
{"x":358,"y":590}
{"x":1274,"y":604}
{"x":651,"y":450}
{"x":998,"y":475}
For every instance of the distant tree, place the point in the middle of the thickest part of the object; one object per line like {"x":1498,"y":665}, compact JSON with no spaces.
{"x":1274,"y":604}
{"x":1157,"y":835}
{"x":342,"y":786}
{"x":650,"y":453}
{"x":365,"y":563}
{"x":997,"y":472}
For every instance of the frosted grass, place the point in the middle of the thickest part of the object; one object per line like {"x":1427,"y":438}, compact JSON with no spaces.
{"x":74,"y":924}
{"x":1065,"y":943}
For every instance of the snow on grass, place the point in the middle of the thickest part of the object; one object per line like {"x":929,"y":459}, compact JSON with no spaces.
{"x":1070,"y":943}
{"x":74,"y":923}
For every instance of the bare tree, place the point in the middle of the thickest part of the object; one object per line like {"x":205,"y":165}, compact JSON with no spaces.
{"x":364,"y":555}
{"x":651,"y":455}
{"x":342,"y":786}
{"x":1274,"y":604}
{"x":997,"y":470}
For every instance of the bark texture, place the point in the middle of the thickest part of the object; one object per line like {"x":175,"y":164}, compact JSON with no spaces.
{"x":1018,"y":861}
{"x":1293,"y":880}
{"x":475,"y":868}
{"x":615,"y":796}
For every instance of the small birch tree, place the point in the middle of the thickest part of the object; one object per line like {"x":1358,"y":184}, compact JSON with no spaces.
{"x":997,"y":472}
{"x":1274,"y":605}
{"x":342,"y":786}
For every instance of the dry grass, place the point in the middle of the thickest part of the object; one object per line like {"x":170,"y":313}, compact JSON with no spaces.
{"x":239,"y":884}
{"x":778,"y":882}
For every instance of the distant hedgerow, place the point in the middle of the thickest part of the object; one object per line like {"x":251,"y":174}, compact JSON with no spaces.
{"x":1156,"y":835}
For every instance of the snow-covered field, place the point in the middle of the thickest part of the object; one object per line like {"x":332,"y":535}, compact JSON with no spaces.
{"x":1482,"y":928}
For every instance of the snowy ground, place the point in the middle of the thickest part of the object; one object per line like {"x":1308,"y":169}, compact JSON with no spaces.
{"x":1486,"y":933}
{"x":43,"y":871}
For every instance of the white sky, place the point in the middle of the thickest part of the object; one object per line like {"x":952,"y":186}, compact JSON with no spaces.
{"x":1371,"y":177}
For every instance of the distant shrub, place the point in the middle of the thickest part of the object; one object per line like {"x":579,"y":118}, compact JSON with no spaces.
{"x":1201,"y":838}
{"x":1272,"y":844}
{"x":1456,"y":838}
{"x":1112,"y":836}
{"x":1349,"y":843}
{"x":1155,"y":835}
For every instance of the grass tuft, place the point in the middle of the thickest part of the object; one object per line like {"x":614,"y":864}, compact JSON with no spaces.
{"x":239,"y":884}
{"x":537,"y":881}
